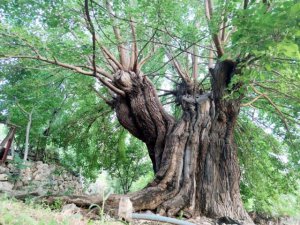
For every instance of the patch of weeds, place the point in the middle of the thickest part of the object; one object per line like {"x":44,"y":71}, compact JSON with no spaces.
{"x":58,"y":171}
{"x":57,"y":205}
{"x":101,"y":209}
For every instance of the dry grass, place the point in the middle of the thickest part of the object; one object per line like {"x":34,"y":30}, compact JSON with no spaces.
{"x":13,"y":212}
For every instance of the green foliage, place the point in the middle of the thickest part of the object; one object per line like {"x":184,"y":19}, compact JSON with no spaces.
{"x":57,"y":205}
{"x":86,"y":132}
{"x":15,"y":212}
{"x":267,"y":174}
{"x":25,"y":88}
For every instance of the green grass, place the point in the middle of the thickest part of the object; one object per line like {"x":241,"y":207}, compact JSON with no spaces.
{"x":14,"y":212}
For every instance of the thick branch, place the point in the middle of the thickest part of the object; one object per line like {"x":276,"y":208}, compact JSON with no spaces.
{"x":121,"y":48}
{"x":54,"y":62}
{"x":74,"y":68}
{"x":92,"y":29}
{"x":134,"y":53}
{"x":195,"y":64}
{"x":215,"y":36}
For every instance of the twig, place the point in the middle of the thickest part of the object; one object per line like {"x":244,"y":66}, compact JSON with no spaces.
{"x":273,"y":104}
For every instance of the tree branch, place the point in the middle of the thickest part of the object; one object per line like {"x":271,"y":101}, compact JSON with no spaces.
{"x":54,"y":62}
{"x":74,"y":68}
{"x":195,"y":64}
{"x":121,"y":49}
{"x":274,"y":105}
{"x":277,"y":91}
{"x":107,"y":101}
{"x":215,"y":37}
{"x":252,"y":101}
{"x":246,"y":2}
{"x":134,"y":48}
{"x":144,"y":60}
{"x":92,"y":29}
{"x":177,"y":66}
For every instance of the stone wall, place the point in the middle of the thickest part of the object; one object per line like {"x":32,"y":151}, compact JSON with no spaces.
{"x":38,"y":177}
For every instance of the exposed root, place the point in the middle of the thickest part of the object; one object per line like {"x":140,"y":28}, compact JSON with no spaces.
{"x":156,"y":199}
{"x":83,"y":201}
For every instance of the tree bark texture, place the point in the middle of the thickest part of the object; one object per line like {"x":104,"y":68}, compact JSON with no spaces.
{"x":194,"y":158}
{"x":28,"y":127}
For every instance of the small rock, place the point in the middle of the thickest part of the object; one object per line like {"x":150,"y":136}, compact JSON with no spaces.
{"x":125,"y":209}
{"x":55,"y":188}
{"x":149,"y":212}
{"x":3,"y":169}
{"x":61,"y":187}
{"x":35,"y":173}
{"x":41,"y":191}
{"x":19,"y":184}
{"x":6,"y":186}
{"x":39,"y":177}
{"x":10,"y":166}
{"x":39,"y":163}
{"x":70,"y":209}
{"x":3,"y":177}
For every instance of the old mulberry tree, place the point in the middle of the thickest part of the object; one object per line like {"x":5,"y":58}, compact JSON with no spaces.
{"x":177,"y":74}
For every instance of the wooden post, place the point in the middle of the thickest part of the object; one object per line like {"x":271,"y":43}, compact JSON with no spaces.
{"x":9,"y":140}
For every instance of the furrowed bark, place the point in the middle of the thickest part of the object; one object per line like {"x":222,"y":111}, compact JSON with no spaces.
{"x":141,"y":113}
{"x":195,"y":158}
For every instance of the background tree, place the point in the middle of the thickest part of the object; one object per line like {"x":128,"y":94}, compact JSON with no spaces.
{"x":62,"y":129}
{"x":25,"y":94}
{"x":249,"y":47}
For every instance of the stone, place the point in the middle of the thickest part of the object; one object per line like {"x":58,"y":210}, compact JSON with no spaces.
{"x":70,"y":209}
{"x":125,"y":209}
{"x":52,"y":168}
{"x":149,"y":212}
{"x":43,"y":178}
{"x":3,"y":169}
{"x":26,"y":172}
{"x":18,"y":185}
{"x":41,"y":191}
{"x":35,"y":173}
{"x":39,"y":177}
{"x":10,"y":166}
{"x":29,"y":164}
{"x":3,"y":177}
{"x":6,"y":186}
{"x":39,"y":163}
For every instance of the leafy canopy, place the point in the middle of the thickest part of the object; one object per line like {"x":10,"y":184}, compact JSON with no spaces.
{"x":263,"y":36}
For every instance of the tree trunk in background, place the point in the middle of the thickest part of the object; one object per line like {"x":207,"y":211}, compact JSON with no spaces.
{"x":195,"y":158}
{"x":27,"y":135}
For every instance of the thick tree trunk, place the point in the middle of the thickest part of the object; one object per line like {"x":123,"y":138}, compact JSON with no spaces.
{"x":199,"y":171}
{"x":195,"y":158}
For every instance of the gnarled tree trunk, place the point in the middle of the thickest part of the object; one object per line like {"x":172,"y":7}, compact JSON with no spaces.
{"x":195,"y":158}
